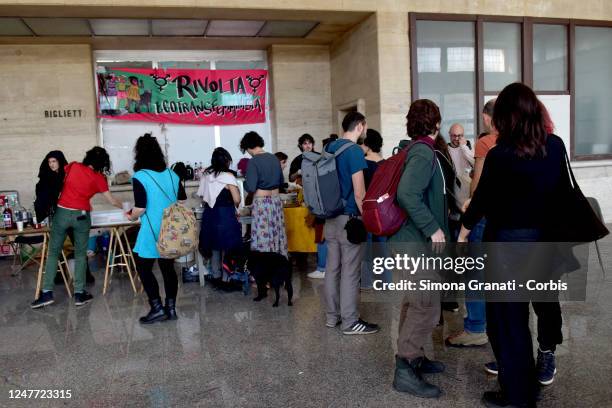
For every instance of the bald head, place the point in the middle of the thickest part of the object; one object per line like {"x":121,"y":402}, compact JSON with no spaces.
{"x":455,"y":133}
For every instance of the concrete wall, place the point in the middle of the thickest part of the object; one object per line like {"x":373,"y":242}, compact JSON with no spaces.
{"x":355,"y":72}
{"x":34,"y":79}
{"x":301,"y":95}
{"x":394,"y":75}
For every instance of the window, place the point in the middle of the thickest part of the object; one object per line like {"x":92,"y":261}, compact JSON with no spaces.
{"x":480,"y":55}
{"x":446,"y":64}
{"x":550,"y":57}
{"x":184,"y":64}
{"x":502,"y":55}
{"x":593,"y":98}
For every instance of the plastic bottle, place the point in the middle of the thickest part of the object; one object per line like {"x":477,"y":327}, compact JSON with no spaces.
{"x":7,"y":217}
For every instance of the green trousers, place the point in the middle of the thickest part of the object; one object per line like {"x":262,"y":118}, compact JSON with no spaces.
{"x":80,"y":222}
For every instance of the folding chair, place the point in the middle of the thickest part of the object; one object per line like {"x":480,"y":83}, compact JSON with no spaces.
{"x":19,"y":244}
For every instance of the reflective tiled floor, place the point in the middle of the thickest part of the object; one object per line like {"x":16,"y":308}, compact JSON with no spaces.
{"x":227,"y":351}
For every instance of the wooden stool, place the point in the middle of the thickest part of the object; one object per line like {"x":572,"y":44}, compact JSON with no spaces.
{"x":119,"y":247}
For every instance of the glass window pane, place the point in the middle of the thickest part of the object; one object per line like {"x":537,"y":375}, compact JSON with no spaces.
{"x":184,"y":64}
{"x":446,"y":70}
{"x":549,"y":57}
{"x":429,"y":59}
{"x":123,"y":64}
{"x":593,"y":97}
{"x":240,"y":65}
{"x":460,"y":59}
{"x":502,"y":55}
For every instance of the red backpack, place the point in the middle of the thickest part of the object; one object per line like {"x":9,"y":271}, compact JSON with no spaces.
{"x":381,"y":213}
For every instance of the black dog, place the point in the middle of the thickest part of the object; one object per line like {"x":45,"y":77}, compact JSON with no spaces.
{"x":274,"y":269}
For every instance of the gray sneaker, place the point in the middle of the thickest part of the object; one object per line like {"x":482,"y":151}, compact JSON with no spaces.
{"x":467,"y":339}
{"x":331,"y":325}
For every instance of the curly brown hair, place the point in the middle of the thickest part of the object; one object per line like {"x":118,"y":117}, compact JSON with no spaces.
{"x":422,"y":119}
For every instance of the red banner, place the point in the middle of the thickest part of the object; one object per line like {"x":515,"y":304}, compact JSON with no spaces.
{"x":189,"y":96}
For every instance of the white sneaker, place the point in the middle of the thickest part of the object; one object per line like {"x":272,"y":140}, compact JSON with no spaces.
{"x":316,"y":274}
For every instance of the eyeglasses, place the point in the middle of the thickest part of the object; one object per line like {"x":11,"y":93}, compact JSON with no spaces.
{"x":459,"y":135}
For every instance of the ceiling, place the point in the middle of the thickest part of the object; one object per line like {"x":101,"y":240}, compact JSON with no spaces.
{"x":124,"y":27}
{"x":54,"y":26}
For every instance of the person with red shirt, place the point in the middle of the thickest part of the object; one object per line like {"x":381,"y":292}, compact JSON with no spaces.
{"x":82,"y":182}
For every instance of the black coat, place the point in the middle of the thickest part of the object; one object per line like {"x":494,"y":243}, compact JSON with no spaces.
{"x":49,"y":185}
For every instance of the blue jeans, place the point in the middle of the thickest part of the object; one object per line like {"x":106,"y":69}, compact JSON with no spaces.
{"x":476,"y":320}
{"x":378,"y":250}
{"x":321,"y":256}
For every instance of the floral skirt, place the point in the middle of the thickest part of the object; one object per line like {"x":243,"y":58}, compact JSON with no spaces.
{"x":268,"y":227}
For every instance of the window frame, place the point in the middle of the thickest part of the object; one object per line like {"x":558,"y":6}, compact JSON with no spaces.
{"x":526,"y":60}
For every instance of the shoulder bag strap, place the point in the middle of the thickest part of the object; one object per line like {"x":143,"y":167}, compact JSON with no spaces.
{"x":151,"y":227}
{"x":569,"y":170}
{"x":156,"y":183}
{"x":342,"y":148}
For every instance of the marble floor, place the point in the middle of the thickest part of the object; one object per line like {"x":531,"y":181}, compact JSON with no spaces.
{"x":228,"y":351}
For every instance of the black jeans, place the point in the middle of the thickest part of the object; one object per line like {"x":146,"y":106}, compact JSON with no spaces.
{"x":145,"y":271}
{"x":549,"y":324}
{"x":510,"y":337}
{"x":509,"y":333}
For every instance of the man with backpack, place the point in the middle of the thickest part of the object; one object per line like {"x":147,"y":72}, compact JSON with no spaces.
{"x":344,"y":231}
{"x":422,"y":194}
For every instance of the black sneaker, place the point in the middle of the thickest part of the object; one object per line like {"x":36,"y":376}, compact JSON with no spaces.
{"x":81,"y":298}
{"x":545,"y":367}
{"x":44,"y":299}
{"x":362,"y":327}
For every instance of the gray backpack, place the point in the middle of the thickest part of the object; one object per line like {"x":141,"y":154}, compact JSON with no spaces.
{"x":321,"y":184}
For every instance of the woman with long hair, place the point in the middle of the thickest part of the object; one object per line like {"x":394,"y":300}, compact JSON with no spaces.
{"x":221,"y":230}
{"x":268,"y":237}
{"x":81,"y":183}
{"x":50,"y":182}
{"x":155,"y":188}
{"x":522,"y":182}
